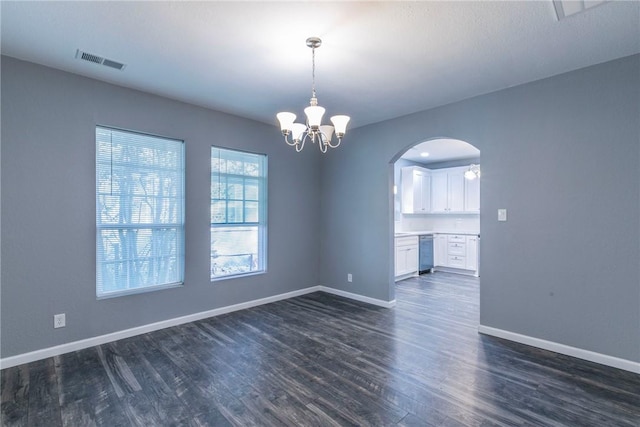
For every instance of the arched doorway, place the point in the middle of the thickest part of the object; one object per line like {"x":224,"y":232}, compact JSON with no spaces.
{"x":436,"y":209}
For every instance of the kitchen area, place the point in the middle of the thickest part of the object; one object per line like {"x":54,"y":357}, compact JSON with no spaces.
{"x":437,"y":209}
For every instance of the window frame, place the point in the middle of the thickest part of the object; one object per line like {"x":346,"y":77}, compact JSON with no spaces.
{"x":178,"y":225}
{"x":262,"y":201}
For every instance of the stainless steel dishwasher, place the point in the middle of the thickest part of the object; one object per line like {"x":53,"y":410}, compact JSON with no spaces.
{"x":426,"y":253}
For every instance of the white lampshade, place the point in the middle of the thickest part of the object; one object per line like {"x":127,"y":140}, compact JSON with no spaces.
{"x":471,"y":175}
{"x":297,"y":131}
{"x":327,"y":132}
{"x":286,"y":120}
{"x":314,"y":115}
{"x":340,"y":122}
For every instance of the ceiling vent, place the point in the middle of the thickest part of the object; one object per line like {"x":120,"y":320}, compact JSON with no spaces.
{"x":96,"y":59}
{"x":565,"y":8}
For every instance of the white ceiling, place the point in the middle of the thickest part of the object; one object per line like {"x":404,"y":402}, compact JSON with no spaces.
{"x":378,"y":60}
{"x":440,"y":150}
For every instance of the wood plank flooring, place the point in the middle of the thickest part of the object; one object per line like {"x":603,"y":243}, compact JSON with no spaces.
{"x":322,"y":360}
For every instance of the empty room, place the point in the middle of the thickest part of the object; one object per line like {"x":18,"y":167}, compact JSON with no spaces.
{"x":320,"y":213}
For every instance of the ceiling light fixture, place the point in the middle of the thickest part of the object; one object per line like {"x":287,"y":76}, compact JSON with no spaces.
{"x":473,"y":172}
{"x":312,"y":130}
{"x":424,"y":154}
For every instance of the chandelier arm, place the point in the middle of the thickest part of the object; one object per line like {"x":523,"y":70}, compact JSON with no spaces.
{"x":332,"y":145}
{"x":323,"y":139}
{"x":286,"y":139}
{"x":301,"y":143}
{"x":323,"y":146}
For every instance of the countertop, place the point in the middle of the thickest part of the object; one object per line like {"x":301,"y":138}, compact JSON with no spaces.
{"x":438,"y":231}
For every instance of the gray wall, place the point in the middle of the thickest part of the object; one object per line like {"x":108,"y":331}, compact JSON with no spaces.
{"x":48,"y":207}
{"x":563,"y":156}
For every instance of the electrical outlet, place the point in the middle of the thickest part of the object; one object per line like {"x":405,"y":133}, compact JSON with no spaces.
{"x":349,"y":277}
{"x":502,"y":214}
{"x":59,"y":320}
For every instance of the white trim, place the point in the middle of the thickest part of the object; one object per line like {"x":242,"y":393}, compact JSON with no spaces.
{"x":44,"y":353}
{"x":19,"y":359}
{"x":405,"y":276}
{"x":603,"y":359}
{"x":358,"y":297}
{"x":461,"y":271}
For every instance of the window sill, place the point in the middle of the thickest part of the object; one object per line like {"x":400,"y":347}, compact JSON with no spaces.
{"x":238,"y":276}
{"x":135,"y":291}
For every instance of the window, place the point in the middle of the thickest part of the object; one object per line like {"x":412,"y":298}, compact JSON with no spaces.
{"x":238,"y":213}
{"x":139,"y":212}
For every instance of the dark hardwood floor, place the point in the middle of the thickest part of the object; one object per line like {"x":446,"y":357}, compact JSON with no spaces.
{"x":322,"y":360}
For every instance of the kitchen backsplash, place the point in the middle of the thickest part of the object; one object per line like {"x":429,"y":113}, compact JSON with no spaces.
{"x":438,"y":222}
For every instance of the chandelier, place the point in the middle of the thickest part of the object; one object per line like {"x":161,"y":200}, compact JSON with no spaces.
{"x":312,"y":130}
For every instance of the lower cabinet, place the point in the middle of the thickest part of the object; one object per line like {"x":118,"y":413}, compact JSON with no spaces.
{"x":406,"y":251}
{"x":457,"y":251}
{"x":440,"y":250}
{"x":472,"y":253}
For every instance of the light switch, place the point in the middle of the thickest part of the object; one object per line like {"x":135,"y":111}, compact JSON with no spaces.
{"x":502,"y":214}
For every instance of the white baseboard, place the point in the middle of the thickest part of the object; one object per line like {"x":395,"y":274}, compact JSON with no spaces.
{"x":358,"y":297}
{"x":44,"y":353}
{"x":603,"y":359}
{"x":103,"y":339}
{"x":474,"y":273}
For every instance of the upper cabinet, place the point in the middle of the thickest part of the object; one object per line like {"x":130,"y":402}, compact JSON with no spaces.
{"x":416,"y":190}
{"x":447,"y":190}
{"x":472,"y":195}
{"x":441,"y":191}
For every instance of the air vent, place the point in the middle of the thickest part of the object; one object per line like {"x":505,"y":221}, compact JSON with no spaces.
{"x":565,"y":8}
{"x":90,"y":57}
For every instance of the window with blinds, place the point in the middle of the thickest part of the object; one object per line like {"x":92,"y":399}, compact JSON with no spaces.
{"x":238,"y":213}
{"x":139,"y":212}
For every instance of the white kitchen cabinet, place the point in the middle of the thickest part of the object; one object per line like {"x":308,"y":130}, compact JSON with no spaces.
{"x":455,"y":180}
{"x":457,"y":249}
{"x":457,"y":238}
{"x":472,"y":195}
{"x":416,"y":190}
{"x":440,"y":250}
{"x":458,"y":252}
{"x":406,"y":259}
{"x":472,"y":253}
{"x":448,"y":190}
{"x":439,"y":192}
{"x":456,"y":261}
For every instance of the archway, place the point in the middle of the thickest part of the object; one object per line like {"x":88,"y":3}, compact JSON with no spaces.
{"x":435,"y":206}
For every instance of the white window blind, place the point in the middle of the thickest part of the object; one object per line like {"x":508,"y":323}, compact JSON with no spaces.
{"x":139,"y":212}
{"x":238,"y":212}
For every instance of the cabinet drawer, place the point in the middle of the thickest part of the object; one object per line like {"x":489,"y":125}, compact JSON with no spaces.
{"x":457,"y":238}
{"x":457,"y":249}
{"x":407,"y":241}
{"x":457,"y":261}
